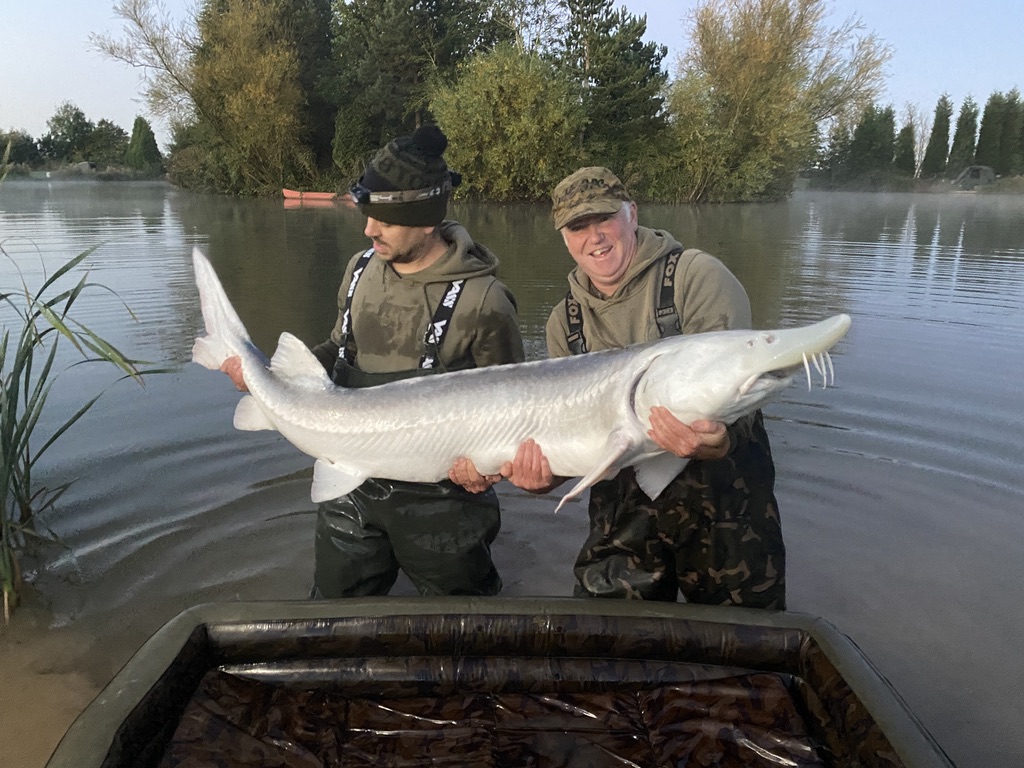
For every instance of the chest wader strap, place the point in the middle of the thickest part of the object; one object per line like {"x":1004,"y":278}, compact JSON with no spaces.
{"x":440,"y":324}
{"x":348,"y":349}
{"x":665,"y":315}
{"x":436,"y":331}
{"x":574,"y":317}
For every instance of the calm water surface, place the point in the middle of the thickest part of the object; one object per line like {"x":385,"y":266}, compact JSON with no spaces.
{"x":901,"y":489}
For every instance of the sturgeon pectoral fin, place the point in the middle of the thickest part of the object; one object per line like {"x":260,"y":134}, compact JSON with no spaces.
{"x":618,"y":445}
{"x":333,"y":480}
{"x":249,"y":417}
{"x":653,"y":474}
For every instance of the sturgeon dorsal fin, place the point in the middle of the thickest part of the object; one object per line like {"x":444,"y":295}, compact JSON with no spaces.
{"x":333,"y":480}
{"x":655,"y":473}
{"x":293,"y":362}
{"x":619,"y":443}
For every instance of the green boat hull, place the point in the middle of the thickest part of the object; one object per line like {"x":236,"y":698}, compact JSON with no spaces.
{"x":497,"y":681}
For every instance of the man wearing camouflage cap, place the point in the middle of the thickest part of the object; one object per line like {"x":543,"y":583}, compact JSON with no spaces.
{"x":424,"y":298}
{"x":714,"y":533}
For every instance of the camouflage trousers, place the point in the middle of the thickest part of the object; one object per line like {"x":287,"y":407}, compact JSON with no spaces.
{"x":714,"y":534}
{"x":439,"y":534}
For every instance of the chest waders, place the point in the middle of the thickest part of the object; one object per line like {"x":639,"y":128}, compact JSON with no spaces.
{"x":714,"y":533}
{"x":438,"y":533}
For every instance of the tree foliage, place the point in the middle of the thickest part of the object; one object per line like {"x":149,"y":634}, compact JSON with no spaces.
{"x":24,"y":150}
{"x":536,"y":26}
{"x":261,"y":94}
{"x":162,"y":51}
{"x":759,"y":78}
{"x":870,"y":162}
{"x":68,"y":134}
{"x":619,"y":79}
{"x":1009,"y":159}
{"x":246,"y":88}
{"x":937,"y":152}
{"x":511,"y":122}
{"x":390,"y":54}
{"x":106,"y":144}
{"x":142,"y":154}
{"x":961,"y":154}
{"x":241,"y":80}
{"x":904,"y":160}
{"x":991,"y":131}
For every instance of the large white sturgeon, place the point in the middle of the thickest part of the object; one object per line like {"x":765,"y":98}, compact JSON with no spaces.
{"x":589,"y":413}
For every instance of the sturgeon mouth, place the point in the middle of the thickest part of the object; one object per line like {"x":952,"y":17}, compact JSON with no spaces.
{"x":822,"y":362}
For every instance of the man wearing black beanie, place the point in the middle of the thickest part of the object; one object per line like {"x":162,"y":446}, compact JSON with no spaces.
{"x":424,"y":298}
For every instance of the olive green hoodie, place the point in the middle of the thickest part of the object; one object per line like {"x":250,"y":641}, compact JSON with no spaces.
{"x":708,"y":297}
{"x":391,"y":312}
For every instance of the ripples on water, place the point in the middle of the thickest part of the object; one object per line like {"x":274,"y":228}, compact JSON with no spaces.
{"x":901,"y":488}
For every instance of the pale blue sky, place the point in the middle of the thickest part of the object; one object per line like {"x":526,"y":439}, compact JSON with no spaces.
{"x":940,"y":46}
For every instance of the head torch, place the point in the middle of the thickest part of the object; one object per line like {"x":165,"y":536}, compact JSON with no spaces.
{"x":364,"y":196}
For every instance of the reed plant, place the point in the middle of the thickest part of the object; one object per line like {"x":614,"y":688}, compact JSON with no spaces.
{"x":29,"y":365}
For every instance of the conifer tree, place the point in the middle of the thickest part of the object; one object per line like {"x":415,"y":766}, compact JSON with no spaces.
{"x":991,"y":131}
{"x":143,"y":154}
{"x":1009,"y":163}
{"x":904,"y":156}
{"x":937,"y":152}
{"x":873,"y":142}
{"x":961,"y":154}
{"x":619,"y":77}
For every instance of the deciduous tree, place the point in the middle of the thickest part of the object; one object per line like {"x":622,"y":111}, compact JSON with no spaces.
{"x":68,"y":134}
{"x":246,"y":86}
{"x":512,"y":122}
{"x":106,"y":144}
{"x":23,"y":148}
{"x":758,"y":79}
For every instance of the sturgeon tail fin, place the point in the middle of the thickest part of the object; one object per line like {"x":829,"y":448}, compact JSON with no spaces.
{"x":225,"y":334}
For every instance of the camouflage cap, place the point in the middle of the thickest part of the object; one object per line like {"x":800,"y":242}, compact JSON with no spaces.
{"x":588,"y":191}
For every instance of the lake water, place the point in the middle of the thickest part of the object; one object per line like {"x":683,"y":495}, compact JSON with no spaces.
{"x":901,"y":488}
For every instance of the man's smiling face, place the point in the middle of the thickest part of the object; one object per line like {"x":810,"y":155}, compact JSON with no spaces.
{"x":603,"y":245}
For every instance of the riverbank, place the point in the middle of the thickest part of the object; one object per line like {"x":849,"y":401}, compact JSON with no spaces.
{"x":42,"y":694}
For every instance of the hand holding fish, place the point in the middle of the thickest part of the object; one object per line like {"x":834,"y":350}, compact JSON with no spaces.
{"x":233,"y":368}
{"x":703,"y":439}
{"x":529,"y":470}
{"x":464,"y":473}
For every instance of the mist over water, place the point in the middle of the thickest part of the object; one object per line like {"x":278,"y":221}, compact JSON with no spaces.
{"x":901,"y":488}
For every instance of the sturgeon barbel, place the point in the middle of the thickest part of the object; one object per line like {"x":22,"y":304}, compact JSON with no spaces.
{"x":588,"y":413}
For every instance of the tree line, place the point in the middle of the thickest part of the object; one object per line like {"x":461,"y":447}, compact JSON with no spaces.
{"x":72,"y":138}
{"x":873,"y":155}
{"x":265,"y":94}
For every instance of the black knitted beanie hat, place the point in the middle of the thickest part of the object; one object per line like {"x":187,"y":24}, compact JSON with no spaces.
{"x":415,"y":166}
